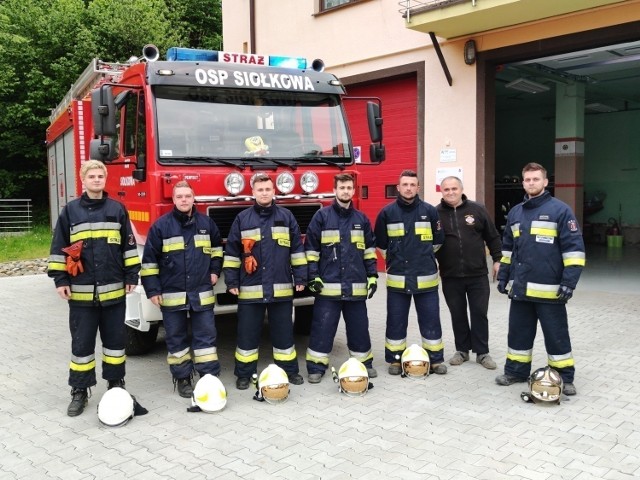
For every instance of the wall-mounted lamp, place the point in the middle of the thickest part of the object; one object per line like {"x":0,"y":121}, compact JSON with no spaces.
{"x":470,"y":52}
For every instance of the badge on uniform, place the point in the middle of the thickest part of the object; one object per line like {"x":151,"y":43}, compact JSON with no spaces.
{"x":573,"y":225}
{"x":470,"y":219}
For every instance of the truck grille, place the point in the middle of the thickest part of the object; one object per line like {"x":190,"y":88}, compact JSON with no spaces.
{"x":224,"y":216}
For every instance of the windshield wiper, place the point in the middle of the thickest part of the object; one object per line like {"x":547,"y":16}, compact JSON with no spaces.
{"x":239,"y":164}
{"x":281,"y":163}
{"x":341,"y":166}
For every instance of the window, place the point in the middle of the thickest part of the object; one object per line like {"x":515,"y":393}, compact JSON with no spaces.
{"x":390,"y":191}
{"x":329,"y":4}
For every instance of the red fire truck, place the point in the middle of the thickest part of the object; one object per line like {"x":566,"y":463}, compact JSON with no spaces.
{"x":214,"y":119}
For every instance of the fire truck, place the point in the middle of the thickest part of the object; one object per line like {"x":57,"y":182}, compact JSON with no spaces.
{"x":214,"y":119}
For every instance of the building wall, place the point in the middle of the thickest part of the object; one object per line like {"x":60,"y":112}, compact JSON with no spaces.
{"x":369,"y":39}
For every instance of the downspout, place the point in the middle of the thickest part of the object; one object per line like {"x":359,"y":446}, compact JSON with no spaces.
{"x":252,"y":26}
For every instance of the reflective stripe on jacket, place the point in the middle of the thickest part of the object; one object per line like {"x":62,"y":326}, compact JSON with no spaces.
{"x":542,"y":248}
{"x":109,"y":252}
{"x":278,"y":251}
{"x":408,"y":236}
{"x":179,"y":257}
{"x":340,"y":249}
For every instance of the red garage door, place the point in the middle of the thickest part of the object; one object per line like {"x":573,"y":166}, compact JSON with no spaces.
{"x":400,"y":112}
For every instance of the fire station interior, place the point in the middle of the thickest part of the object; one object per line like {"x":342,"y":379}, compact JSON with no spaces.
{"x":528,"y":115}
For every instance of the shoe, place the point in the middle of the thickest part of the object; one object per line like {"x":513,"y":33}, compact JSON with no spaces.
{"x":569,"y":389}
{"x":79,"y":400}
{"x":373,"y":373}
{"x":115,"y":384}
{"x":315,"y":377}
{"x":459,"y":358}
{"x":242,"y":383}
{"x":486,"y":361}
{"x":506,"y":380}
{"x":296,"y":379}
{"x":185,"y":389}
{"x":439,"y":369}
{"x":395,"y":369}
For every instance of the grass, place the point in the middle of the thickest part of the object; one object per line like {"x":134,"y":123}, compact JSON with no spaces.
{"x":27,"y":246}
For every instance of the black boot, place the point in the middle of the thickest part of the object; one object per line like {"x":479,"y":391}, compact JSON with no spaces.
{"x":79,"y":400}
{"x":185,"y":389}
{"x":115,"y":383}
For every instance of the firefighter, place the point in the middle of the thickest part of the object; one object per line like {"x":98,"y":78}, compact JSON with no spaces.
{"x":408,"y":233}
{"x":542,"y":258}
{"x":94,"y":263}
{"x":341,"y":255}
{"x":182,"y":261}
{"x":264,"y":261}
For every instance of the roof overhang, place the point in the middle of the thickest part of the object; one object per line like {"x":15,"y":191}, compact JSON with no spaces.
{"x":457,"y":18}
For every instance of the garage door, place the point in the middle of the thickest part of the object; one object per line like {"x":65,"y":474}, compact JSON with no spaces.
{"x":399,"y":110}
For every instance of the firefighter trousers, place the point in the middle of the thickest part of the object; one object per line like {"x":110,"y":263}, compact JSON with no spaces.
{"x":199,"y":352}
{"x":326,"y":317}
{"x":428,"y":309}
{"x":457,"y":292}
{"x":250,"y":321}
{"x":84,"y":324}
{"x":523,"y":323}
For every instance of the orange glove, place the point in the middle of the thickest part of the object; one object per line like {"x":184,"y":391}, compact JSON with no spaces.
{"x":250,"y":262}
{"x":74,"y":264}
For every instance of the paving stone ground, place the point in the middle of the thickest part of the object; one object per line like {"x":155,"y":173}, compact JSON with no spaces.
{"x":458,"y":426}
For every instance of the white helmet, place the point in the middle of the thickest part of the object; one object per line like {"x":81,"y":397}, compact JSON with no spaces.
{"x":209,"y":394}
{"x":116,"y":407}
{"x":415,"y":362}
{"x":353,"y":378}
{"x":273,"y":385}
{"x":545,"y":386}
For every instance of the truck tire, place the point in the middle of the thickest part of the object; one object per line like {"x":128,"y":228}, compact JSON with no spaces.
{"x":139,"y":343}
{"x":302,"y":321}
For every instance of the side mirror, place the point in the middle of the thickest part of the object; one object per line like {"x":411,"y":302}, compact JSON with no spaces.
{"x":103,"y":149}
{"x":103,"y":111}
{"x":375,"y":121}
{"x":377,"y":152}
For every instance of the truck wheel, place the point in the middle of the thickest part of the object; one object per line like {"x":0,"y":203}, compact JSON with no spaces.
{"x":303,"y":316}
{"x":139,"y":343}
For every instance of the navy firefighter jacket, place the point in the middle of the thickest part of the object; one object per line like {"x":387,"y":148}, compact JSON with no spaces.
{"x":542,"y":249}
{"x":181,"y":253}
{"x":409,"y":234}
{"x":278,"y":251}
{"x":340,"y":248}
{"x":109,"y":252}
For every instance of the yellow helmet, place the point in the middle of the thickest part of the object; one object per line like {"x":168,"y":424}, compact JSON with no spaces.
{"x":353,"y":378}
{"x":545,"y":386}
{"x":273,"y":385}
{"x":209,"y":394}
{"x":415,"y":362}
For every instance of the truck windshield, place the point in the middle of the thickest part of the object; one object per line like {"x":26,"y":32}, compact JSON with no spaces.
{"x":198,"y":123}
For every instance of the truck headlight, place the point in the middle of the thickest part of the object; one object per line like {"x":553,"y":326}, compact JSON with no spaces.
{"x":309,"y":182}
{"x":285,"y":182}
{"x":234,"y":183}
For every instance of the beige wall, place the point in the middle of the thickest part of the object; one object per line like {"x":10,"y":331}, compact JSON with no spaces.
{"x":371,"y":36}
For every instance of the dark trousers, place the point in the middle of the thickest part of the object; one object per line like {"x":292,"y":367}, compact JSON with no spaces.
{"x":428,"y":310}
{"x":84,"y":324}
{"x":472,"y":336}
{"x":183,"y":355}
{"x":523,"y":323}
{"x":250,"y":321}
{"x":326,"y":317}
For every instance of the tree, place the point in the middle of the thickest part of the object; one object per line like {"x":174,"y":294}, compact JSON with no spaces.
{"x":46,"y":44}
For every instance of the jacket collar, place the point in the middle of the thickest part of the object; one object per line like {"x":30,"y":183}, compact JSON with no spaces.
{"x":449,"y":207}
